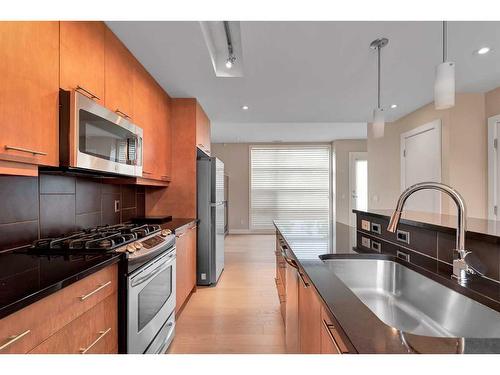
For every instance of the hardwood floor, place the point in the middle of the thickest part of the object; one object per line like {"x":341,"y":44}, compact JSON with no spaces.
{"x":241,"y":314}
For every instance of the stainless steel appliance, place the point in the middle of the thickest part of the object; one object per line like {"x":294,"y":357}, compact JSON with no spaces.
{"x":147,"y":285}
{"x":210,"y":253}
{"x":94,"y":138}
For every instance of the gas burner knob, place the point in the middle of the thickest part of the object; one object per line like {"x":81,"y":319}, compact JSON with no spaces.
{"x":131,"y":248}
{"x":138,"y":245}
{"x":166,"y":232}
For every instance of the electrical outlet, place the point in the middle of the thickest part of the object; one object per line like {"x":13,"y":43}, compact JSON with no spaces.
{"x":117,"y":205}
{"x":365,"y":225}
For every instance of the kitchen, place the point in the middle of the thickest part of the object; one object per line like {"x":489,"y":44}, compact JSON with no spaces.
{"x":154,"y":201}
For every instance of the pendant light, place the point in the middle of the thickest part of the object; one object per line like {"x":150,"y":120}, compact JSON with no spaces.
{"x":378,"y":113}
{"x":444,"y":86}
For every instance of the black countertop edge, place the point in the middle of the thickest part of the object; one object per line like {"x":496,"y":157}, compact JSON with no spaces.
{"x":472,"y":234}
{"x":365,"y":332}
{"x":45,"y":292}
{"x":179,"y":224}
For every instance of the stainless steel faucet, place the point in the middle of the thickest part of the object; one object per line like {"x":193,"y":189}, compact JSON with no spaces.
{"x":466,"y":264}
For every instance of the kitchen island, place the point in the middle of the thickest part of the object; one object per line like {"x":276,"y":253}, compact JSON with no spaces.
{"x":318,"y":308}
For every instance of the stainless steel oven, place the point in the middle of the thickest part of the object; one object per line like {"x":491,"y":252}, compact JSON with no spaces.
{"x":95,"y":138}
{"x":151,"y":305}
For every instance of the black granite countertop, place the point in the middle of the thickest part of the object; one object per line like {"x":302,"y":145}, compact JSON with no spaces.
{"x":366,"y":332}
{"x":26,"y":277}
{"x":476,"y":228}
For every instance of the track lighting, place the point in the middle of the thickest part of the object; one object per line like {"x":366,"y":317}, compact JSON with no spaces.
{"x":230,"y":61}
{"x":378,"y":113}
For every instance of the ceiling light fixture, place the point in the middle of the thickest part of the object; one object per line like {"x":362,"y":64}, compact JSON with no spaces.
{"x":444,"y":85}
{"x":231,"y":59}
{"x":245,"y":107}
{"x":378,"y":113}
{"x":483,"y":50}
{"x":394,"y":106}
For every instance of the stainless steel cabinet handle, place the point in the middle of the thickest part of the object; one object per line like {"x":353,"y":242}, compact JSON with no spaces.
{"x":180,"y":235}
{"x":34,"y":152}
{"x":291,"y":262}
{"x":328,"y":329}
{"x":87,"y":93}
{"x":123,"y":114}
{"x":13,"y":339}
{"x":101,"y":335}
{"x":145,"y":172}
{"x":85,"y":296}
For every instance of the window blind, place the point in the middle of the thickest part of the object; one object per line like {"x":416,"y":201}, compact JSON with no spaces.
{"x":289,"y":183}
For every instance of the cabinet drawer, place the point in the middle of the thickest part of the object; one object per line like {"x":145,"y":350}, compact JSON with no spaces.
{"x":30,"y":326}
{"x":94,"y":332}
{"x":331,"y":342}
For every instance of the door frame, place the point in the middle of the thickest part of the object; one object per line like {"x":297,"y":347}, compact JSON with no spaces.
{"x":492,"y":167}
{"x":353,"y":155}
{"x":435,"y":124}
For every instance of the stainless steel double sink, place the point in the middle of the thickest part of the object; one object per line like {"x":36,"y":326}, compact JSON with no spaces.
{"x":413,"y":303}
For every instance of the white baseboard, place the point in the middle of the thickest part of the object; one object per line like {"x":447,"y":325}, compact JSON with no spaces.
{"x":249,"y":231}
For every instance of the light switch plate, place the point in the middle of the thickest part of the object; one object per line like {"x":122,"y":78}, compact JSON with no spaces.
{"x":365,"y":225}
{"x":365,"y":242}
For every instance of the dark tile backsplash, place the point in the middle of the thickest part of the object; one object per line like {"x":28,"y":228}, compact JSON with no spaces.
{"x":433,"y":249}
{"x":52,"y":204}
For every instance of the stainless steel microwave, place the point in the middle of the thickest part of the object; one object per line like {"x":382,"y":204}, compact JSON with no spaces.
{"x":91,"y":137}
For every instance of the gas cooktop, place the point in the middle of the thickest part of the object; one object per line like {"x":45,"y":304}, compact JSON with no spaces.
{"x":105,"y":238}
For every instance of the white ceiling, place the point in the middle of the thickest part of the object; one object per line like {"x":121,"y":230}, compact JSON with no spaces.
{"x":311,"y":72}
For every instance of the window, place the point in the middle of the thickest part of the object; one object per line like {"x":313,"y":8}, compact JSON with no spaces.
{"x":289,"y":183}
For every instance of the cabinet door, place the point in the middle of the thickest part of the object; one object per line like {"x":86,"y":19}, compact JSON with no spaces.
{"x":191,"y":275}
{"x":331,"y":343}
{"x":118,"y":76}
{"x":82,"y":57}
{"x":309,"y":318}
{"x":165,"y":137}
{"x":144,"y":116}
{"x":181,"y":244}
{"x":29,"y":92}
{"x":292,"y":311}
{"x":202,"y":130}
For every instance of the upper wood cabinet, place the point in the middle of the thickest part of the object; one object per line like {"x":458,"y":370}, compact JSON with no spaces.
{"x":202,"y":130}
{"x":118,"y":76}
{"x":164,"y":136}
{"x":82,"y":57}
{"x":29,"y":67}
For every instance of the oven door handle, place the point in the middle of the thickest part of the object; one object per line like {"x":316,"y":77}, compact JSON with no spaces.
{"x":156,"y":271}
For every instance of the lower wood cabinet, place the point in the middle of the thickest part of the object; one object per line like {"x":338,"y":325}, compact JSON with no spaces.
{"x":185,"y":265}
{"x":309,"y":318}
{"x":95,"y":332}
{"x":330,"y":341}
{"x":59,"y":314}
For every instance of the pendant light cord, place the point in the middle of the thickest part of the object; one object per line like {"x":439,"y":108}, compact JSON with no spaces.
{"x":445,"y":41}
{"x":378,"y":83}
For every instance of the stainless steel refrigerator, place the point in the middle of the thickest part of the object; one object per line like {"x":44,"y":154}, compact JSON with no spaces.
{"x":210,"y":254}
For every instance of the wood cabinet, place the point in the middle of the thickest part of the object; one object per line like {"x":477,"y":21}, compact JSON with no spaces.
{"x":331,"y":342}
{"x":118,"y":76}
{"x":185,"y":265}
{"x":94,"y":332}
{"x":292,"y":338}
{"x":29,"y":67}
{"x":309,"y":318}
{"x":82,"y":57}
{"x":203,"y":139}
{"x":37,"y":322}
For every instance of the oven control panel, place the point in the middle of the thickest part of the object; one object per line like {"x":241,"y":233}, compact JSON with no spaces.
{"x":152,"y":242}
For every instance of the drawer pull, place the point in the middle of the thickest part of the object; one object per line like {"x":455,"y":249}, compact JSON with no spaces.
{"x":86,"y":92}
{"x":304,"y":282}
{"x":123,"y":114}
{"x":25,"y":150}
{"x":101,"y":335}
{"x":328,"y":328}
{"x":84,"y":297}
{"x":180,"y":235}
{"x":13,"y":339}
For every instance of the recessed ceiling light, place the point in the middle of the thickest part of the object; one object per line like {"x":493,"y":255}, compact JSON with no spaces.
{"x":245,"y":107}
{"x":483,"y":50}
{"x":394,"y":106}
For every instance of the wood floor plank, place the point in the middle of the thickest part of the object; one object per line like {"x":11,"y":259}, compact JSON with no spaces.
{"x":242,"y":313}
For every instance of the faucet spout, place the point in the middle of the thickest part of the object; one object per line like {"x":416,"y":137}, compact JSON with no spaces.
{"x":461,"y":268}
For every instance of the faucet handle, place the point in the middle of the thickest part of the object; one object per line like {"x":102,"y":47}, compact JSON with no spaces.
{"x":474,"y":263}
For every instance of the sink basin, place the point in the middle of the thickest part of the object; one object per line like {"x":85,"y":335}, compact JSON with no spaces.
{"x":413,"y":303}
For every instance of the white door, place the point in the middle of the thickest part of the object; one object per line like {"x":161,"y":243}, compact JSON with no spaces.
{"x":358,"y":183}
{"x":493,"y":168}
{"x":421,"y":162}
